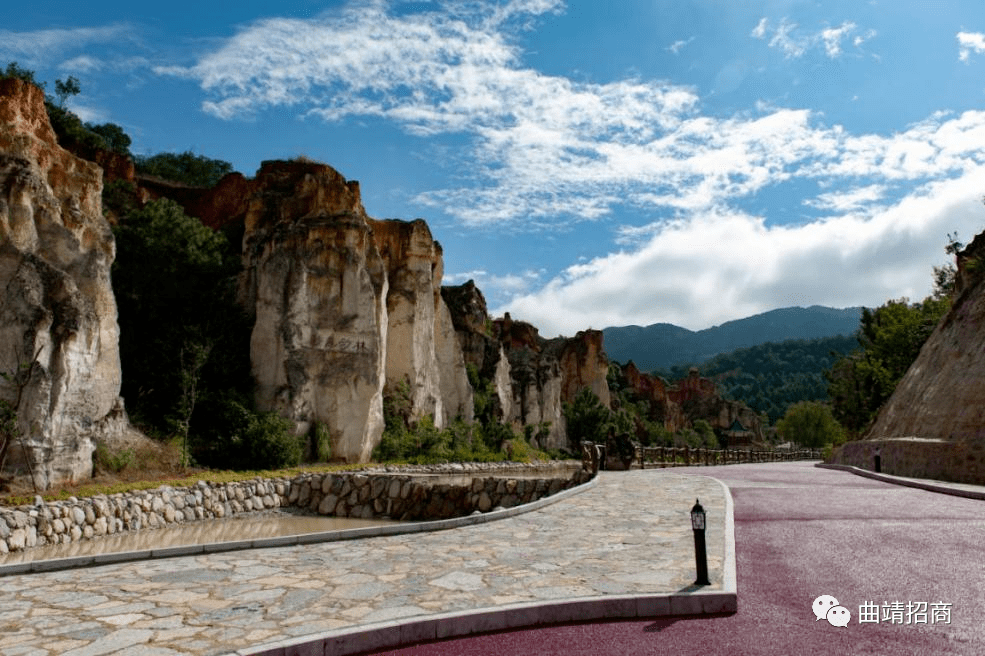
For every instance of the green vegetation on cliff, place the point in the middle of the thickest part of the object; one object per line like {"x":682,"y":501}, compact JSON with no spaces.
{"x":419,"y":441}
{"x":186,"y":168}
{"x":184,"y":342}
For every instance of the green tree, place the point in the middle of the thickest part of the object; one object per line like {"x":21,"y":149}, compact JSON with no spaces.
{"x":113,"y":135}
{"x":944,"y":276}
{"x":185,"y":168}
{"x":705,"y":433}
{"x":14,"y":71}
{"x":184,"y":341}
{"x":66,"y":88}
{"x":235,"y":436}
{"x":890,"y":338}
{"x":588,"y":419}
{"x":810,"y":424}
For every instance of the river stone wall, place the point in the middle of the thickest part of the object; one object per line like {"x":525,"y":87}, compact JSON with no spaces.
{"x":365,"y":494}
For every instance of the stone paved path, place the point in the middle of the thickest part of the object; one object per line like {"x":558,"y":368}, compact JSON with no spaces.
{"x":630,"y":534}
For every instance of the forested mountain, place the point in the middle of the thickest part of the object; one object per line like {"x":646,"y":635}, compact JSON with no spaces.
{"x":664,"y":345}
{"x":773,"y":376}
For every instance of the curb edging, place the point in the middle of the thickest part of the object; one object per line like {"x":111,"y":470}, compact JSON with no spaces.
{"x":941,"y":487}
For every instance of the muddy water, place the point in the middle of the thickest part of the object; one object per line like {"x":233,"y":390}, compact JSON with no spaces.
{"x":265,"y":525}
{"x":466,"y":479}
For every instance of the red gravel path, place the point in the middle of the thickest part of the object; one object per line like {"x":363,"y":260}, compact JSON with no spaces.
{"x":802,"y":532}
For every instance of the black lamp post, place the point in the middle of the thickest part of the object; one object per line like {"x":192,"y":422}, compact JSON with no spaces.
{"x":700,"y":553}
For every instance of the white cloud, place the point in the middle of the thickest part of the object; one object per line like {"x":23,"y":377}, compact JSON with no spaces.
{"x":81,"y":64}
{"x":759,"y":32}
{"x":510,"y":284}
{"x":719,"y":266}
{"x":852,"y":200}
{"x":34,"y":48}
{"x":89,"y":114}
{"x":784,"y":40}
{"x":969,"y":42}
{"x":833,"y":36}
{"x":544,"y":145}
{"x":89,"y":64}
{"x":544,"y":149}
{"x":677,"y":46}
{"x":794,"y":42}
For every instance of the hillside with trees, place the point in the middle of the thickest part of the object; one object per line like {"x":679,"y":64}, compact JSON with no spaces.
{"x":771,"y":377}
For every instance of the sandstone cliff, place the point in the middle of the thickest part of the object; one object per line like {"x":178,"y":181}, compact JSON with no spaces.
{"x":536,"y":381}
{"x":422,"y":348}
{"x":347,"y":307}
{"x":57,"y":310}
{"x":317,"y":287}
{"x":934,"y":423}
{"x":531,"y":377}
{"x":688,"y":400}
{"x":481,"y":349}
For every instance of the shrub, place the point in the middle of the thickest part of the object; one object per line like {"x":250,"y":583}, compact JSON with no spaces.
{"x":271,"y":443}
{"x":811,"y":424}
{"x":321,"y":442}
{"x":112,"y":461}
{"x":234,"y":436}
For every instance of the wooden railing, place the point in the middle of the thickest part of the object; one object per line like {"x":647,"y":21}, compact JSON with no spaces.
{"x":593,"y":456}
{"x":672,"y":456}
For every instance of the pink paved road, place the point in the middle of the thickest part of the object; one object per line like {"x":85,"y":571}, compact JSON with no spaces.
{"x":802,"y":532}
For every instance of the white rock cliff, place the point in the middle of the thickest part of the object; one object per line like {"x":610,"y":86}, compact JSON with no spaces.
{"x":58,"y":321}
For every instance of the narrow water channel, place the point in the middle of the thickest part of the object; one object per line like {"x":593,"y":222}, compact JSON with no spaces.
{"x":265,"y":525}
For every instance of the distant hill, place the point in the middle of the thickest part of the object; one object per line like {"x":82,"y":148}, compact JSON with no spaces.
{"x":663,"y":345}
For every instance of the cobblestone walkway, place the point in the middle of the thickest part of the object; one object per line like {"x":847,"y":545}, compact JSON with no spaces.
{"x":630,"y":534}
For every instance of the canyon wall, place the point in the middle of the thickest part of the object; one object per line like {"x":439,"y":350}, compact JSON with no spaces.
{"x":346,"y":308}
{"x":531,"y":378}
{"x":422,"y":349}
{"x":58,"y":328}
{"x":349,"y":308}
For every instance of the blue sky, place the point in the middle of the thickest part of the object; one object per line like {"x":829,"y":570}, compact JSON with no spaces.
{"x":588,"y":164}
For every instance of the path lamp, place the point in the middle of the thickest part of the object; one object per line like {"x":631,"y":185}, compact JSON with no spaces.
{"x":700,"y":553}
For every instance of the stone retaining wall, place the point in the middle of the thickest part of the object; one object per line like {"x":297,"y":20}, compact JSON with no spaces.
{"x":942,"y":460}
{"x":391,"y":493}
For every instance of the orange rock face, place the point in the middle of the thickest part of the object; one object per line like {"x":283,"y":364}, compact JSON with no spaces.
{"x":584,"y":364}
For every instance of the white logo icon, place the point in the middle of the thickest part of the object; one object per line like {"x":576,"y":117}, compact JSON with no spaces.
{"x":826,"y":607}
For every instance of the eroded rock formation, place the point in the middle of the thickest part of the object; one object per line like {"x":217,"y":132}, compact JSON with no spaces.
{"x":422,"y":348}
{"x":317,"y":287}
{"x":347,"y":307}
{"x":689,"y":399}
{"x":57,"y":311}
{"x":933,"y":425}
{"x":532,"y":377}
